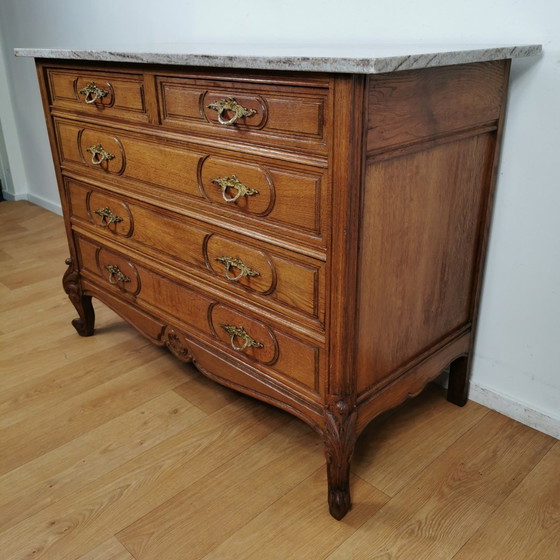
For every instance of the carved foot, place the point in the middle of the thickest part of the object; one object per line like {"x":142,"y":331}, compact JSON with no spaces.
{"x":339,"y":501}
{"x":339,"y":439}
{"x":71,"y":284}
{"x":458,"y":386}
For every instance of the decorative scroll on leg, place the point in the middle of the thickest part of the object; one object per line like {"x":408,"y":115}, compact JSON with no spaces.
{"x":82,"y":303}
{"x":458,"y":386}
{"x":339,"y":439}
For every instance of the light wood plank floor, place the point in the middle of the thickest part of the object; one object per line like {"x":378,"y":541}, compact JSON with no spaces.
{"x":110,"y":449}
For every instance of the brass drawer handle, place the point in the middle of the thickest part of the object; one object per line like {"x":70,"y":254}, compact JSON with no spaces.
{"x":230,"y":104}
{"x":233,"y":182}
{"x":107,"y":217}
{"x":234,"y":262}
{"x":99,"y":155}
{"x":115,"y":274}
{"x":93,"y":93}
{"x":240,"y":332}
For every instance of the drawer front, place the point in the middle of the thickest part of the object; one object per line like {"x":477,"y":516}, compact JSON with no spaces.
{"x":244,"y":337}
{"x":100,"y":94}
{"x":273,"y":115}
{"x":235,"y":263}
{"x":240,"y":190}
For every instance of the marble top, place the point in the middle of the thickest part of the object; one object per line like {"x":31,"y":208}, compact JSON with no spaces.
{"x":355,"y":59}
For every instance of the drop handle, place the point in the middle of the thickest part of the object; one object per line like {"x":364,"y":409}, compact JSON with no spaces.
{"x":230,"y":104}
{"x":233,"y":182}
{"x":239,"y":332}
{"x":92,"y":93}
{"x":115,"y":274}
{"x":99,"y":154}
{"x":107,"y":217}
{"x":235,"y":262}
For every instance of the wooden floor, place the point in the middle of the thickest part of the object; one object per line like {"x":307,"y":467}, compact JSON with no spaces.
{"x":110,"y":449}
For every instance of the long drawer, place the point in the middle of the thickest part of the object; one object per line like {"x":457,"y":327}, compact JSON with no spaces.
{"x":253,"y":193}
{"x":279,"y":279}
{"x":246,"y":338}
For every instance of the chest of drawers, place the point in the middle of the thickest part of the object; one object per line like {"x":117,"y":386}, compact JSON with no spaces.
{"x":313,"y":239}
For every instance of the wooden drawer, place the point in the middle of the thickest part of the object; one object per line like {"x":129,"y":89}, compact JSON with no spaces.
{"x":244,"y":337}
{"x":259,"y":113}
{"x":99,"y":94}
{"x":285,"y":200}
{"x":276,"y":279}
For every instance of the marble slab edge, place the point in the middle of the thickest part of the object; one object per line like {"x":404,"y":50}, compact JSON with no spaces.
{"x":343,"y":64}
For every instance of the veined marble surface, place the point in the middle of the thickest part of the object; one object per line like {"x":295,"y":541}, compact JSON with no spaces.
{"x":358,"y":59}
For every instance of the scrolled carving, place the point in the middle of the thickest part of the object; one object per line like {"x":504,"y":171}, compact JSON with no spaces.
{"x":72,"y":286}
{"x":176,"y":344}
{"x":339,"y":439}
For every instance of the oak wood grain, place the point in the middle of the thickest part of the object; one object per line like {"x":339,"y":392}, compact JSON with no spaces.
{"x":108,"y":504}
{"x":420,"y":240}
{"x":111,"y":549}
{"x":527,"y":523}
{"x":263,"y":473}
{"x":442,"y":508}
{"x":294,"y":528}
{"x":395,"y":448}
{"x":34,"y":435}
{"x":66,"y":469}
{"x":409,"y":106}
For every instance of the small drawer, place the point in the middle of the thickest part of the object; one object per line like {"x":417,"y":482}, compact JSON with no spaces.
{"x":246,"y":338}
{"x":102,"y":94}
{"x":239,"y":265}
{"x":239,"y":192}
{"x":261,"y":113}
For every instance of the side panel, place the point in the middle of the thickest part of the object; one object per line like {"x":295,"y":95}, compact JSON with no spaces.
{"x":424,"y":216}
{"x":420,"y":238}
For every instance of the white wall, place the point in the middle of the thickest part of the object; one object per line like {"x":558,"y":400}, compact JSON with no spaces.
{"x":516,"y":369}
{"x":12,"y":167}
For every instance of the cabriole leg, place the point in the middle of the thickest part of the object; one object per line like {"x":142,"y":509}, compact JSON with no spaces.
{"x":458,"y":386}
{"x":71,"y":283}
{"x":339,"y":439}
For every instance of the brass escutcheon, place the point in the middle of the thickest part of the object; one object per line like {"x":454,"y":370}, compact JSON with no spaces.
{"x":107,"y":217}
{"x":233,"y":182}
{"x":239,"y":332}
{"x":235,"y":262}
{"x":99,"y":155}
{"x":115,"y":274}
{"x":93,"y":93}
{"x":230,"y":104}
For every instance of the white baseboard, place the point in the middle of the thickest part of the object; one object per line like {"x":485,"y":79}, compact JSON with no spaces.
{"x":34,"y":199}
{"x":44,"y":203}
{"x":10,"y":196}
{"x":517,"y":411}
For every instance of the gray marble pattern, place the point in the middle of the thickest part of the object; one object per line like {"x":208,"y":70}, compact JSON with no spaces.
{"x":358,"y":59}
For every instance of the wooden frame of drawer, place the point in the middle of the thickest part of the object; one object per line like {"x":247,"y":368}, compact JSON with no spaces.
{"x":289,"y":284}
